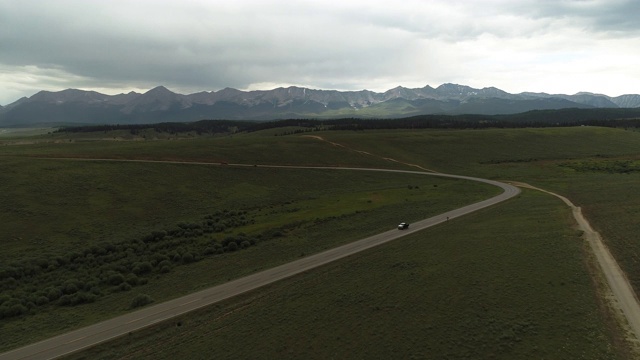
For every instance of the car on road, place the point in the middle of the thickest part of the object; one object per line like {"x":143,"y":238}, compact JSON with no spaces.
{"x":403,"y":226}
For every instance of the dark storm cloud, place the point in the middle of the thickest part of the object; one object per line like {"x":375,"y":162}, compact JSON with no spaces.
{"x":597,"y":16}
{"x":349,"y":45}
{"x":180,"y":45}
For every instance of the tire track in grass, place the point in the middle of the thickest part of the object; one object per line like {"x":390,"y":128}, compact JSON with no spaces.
{"x":368,"y":153}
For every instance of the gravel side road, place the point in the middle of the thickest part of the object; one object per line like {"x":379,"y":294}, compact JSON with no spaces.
{"x":625,"y":297}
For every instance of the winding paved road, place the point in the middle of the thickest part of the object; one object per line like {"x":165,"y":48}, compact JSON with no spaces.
{"x":98,"y":333}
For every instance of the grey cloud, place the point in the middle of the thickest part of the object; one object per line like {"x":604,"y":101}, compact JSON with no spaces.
{"x":209,"y":45}
{"x":603,"y":17}
{"x":464,"y":20}
{"x":214,"y":52}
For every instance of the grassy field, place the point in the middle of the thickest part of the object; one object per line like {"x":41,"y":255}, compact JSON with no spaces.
{"x":476,"y":152}
{"x":594,"y":167}
{"x":256,"y":148}
{"x":62,"y":202}
{"x":512,"y":282}
{"x":76,"y":229}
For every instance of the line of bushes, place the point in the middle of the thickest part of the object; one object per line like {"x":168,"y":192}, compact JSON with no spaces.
{"x":86,"y":275}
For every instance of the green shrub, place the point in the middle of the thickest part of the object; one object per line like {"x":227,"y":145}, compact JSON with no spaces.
{"x":10,"y":283}
{"x":96,"y":290}
{"x":187,"y":258}
{"x":142,"y":268}
{"x":65,"y":300}
{"x":164,"y":263}
{"x":115,"y":279}
{"x":17,"y":310}
{"x":42,"y":300}
{"x":132,"y":280}
{"x":124,"y":287}
{"x":70,"y":287}
{"x":83,"y":297}
{"x":4,"y":312}
{"x":4,"y":298}
{"x":91,"y":284}
{"x":42,"y":263}
{"x":54,"y":293}
{"x":141,"y":300}
{"x":158,"y":258}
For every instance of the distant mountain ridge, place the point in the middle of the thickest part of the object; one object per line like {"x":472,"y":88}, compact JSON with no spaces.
{"x":161,"y":105}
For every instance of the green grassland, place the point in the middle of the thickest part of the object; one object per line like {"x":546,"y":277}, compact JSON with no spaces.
{"x":252,"y":148}
{"x":473,"y":152}
{"x":80,"y":236}
{"x":597,"y":168}
{"x":507,"y":283}
{"x":511,"y":282}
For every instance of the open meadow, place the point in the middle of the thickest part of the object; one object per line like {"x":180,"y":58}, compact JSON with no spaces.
{"x":86,"y":240}
{"x":506,"y":283}
{"x":597,"y":168}
{"x":83,"y":238}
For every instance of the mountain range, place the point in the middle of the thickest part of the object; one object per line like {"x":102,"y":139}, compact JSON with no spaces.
{"x":159,"y":104}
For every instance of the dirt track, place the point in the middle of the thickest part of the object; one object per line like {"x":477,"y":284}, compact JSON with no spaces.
{"x":624,"y":297}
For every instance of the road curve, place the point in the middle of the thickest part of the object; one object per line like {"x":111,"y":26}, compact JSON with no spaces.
{"x":79,"y":339}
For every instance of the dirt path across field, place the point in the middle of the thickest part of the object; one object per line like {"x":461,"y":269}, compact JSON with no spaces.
{"x":624,"y":298}
{"x":368,"y":153}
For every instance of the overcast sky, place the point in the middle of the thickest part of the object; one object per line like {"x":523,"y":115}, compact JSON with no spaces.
{"x":553,"y":46}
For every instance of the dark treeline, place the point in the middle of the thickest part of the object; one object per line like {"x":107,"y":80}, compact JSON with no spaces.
{"x":574,"y":115}
{"x":484,"y":123}
{"x":200,"y":127}
{"x":622,"y":118}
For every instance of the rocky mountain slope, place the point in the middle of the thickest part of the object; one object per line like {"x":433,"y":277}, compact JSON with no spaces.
{"x":161,"y":105}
